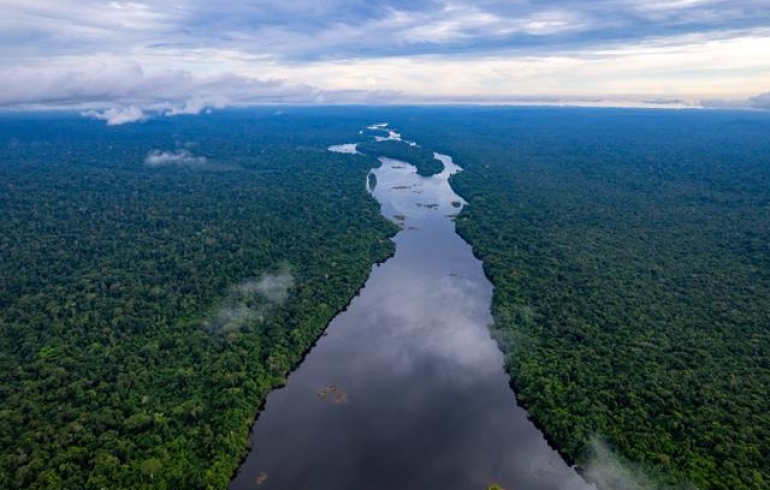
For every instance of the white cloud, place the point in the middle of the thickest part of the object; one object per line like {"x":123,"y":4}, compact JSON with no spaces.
{"x":761,"y":101}
{"x":118,"y":116}
{"x":168,"y":91}
{"x":157,"y":158}
{"x":273,"y":287}
{"x":607,"y":470}
{"x":687,"y":68}
{"x":125,"y":92}
{"x":194,"y":106}
{"x":251,"y":300}
{"x":183,"y":58}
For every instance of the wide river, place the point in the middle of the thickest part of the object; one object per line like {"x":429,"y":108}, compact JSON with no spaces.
{"x":406,"y":389}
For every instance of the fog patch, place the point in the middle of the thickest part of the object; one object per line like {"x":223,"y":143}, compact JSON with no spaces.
{"x":233,"y":315}
{"x":117,"y":116}
{"x":250,"y":301}
{"x":185,"y":158}
{"x":273,"y":287}
{"x":608,"y":471}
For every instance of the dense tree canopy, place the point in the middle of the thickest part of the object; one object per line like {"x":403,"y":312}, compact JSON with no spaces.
{"x":630,"y":253}
{"x":138,"y":330}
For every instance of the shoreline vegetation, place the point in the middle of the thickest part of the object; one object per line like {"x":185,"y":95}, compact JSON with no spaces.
{"x":421,"y":158}
{"x":137,"y":343}
{"x":631,"y":284}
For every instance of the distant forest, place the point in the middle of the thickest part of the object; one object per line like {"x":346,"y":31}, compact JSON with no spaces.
{"x":158,"y":280}
{"x":421,"y":158}
{"x":630,"y":253}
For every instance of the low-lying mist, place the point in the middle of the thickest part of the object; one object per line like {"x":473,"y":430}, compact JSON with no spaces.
{"x":250,"y":301}
{"x":608,"y":471}
{"x":157,"y":158}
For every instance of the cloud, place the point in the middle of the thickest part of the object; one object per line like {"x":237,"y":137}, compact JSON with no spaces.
{"x":687,"y":68}
{"x":157,"y":158}
{"x":120,"y":93}
{"x":170,"y":92}
{"x":194,"y":106}
{"x":759,"y":102}
{"x":607,"y":470}
{"x":666,"y":101}
{"x":118,"y":116}
{"x":273,"y":287}
{"x":233,"y":316}
{"x":251,"y":300}
{"x":193,"y":55}
{"x":341,"y":29}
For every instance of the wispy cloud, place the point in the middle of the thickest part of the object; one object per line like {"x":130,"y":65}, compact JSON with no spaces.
{"x":273,"y":287}
{"x":120,"y":93}
{"x":169,"y":91}
{"x":759,"y":102}
{"x":251,"y":300}
{"x":608,"y":470}
{"x":157,"y":158}
{"x":323,"y":29}
{"x":118,"y":116}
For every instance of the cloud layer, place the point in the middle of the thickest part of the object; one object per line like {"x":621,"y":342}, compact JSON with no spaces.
{"x":758,"y":102}
{"x":184,"y":57}
{"x":171,"y":92}
{"x":324,"y":29}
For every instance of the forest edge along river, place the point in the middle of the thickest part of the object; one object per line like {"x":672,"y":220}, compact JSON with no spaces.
{"x":406,"y":389}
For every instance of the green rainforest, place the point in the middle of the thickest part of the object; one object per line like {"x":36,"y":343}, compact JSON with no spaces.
{"x":142,"y":317}
{"x":630,"y":254}
{"x":158,"y":280}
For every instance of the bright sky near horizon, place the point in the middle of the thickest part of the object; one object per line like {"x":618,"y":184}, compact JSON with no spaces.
{"x":183,"y":56}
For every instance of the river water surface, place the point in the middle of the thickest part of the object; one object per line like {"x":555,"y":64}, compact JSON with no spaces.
{"x":406,"y":390}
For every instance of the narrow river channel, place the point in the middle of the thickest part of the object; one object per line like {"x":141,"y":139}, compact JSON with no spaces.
{"x":406,"y":390}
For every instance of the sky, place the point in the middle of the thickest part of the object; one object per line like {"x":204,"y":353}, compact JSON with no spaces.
{"x":123,"y":60}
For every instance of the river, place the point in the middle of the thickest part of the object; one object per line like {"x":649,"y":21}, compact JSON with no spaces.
{"x":406,"y":389}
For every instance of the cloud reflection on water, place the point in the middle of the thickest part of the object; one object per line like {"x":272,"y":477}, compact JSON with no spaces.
{"x":428,"y":403}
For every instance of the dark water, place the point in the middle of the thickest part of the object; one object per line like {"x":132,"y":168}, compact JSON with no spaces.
{"x":407,"y":389}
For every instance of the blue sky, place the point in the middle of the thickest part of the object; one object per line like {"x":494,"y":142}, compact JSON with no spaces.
{"x":134,"y":57}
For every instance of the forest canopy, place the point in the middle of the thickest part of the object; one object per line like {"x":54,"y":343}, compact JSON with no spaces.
{"x":630,"y":253}
{"x":158,"y":280}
